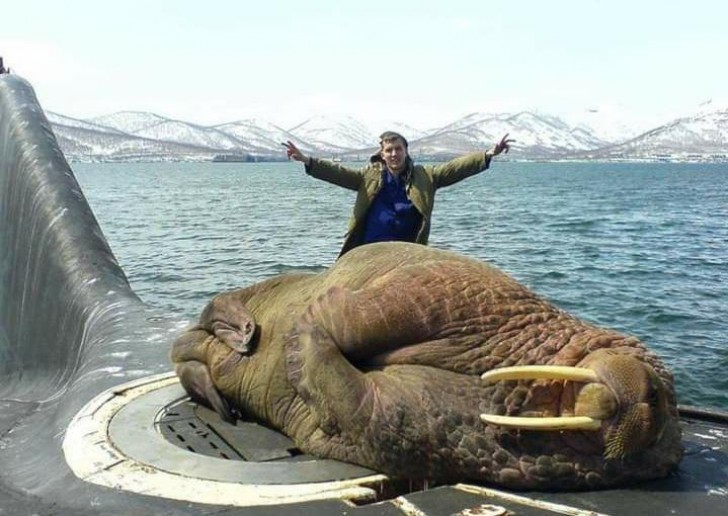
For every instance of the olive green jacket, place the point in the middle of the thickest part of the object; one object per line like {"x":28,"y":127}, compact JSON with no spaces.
{"x":422,"y":182}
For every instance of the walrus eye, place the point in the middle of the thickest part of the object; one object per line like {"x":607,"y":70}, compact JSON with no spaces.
{"x":249,"y":328}
{"x":653,"y":399}
{"x":653,"y":396}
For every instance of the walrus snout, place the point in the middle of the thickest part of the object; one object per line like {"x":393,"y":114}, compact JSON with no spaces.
{"x":642,"y":413}
{"x":616,"y":393}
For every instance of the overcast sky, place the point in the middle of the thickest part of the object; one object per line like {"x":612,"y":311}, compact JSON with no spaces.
{"x":415,"y":61}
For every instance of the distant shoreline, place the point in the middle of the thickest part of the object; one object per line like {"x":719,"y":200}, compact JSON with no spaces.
{"x":256,"y":159}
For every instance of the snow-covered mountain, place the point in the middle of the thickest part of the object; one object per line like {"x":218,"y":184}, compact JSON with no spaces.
{"x":90,"y":140}
{"x":128,"y":121}
{"x":264,"y":135}
{"x":61,"y":120}
{"x":702,"y":136}
{"x":539,"y":135}
{"x":613,"y":123}
{"x":149,"y":137}
{"x":334,"y":135}
{"x":411,"y":133}
{"x":182,"y":132}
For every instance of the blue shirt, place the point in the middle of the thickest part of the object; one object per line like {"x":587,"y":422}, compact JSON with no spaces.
{"x":392,"y":216}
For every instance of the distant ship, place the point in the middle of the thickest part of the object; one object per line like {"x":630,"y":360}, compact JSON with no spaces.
{"x":233,"y":158}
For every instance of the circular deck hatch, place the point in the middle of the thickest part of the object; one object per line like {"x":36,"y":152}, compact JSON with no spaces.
{"x":147,"y":437}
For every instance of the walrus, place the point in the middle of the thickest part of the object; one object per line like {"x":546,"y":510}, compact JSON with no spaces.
{"x":424,"y":364}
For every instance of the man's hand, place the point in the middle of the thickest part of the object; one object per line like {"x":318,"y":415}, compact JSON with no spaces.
{"x":503,"y":145}
{"x":295,"y":154}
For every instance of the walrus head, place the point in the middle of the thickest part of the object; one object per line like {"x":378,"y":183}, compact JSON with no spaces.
{"x":613,"y":396}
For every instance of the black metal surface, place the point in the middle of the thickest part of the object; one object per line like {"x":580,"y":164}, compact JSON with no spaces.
{"x":134,"y":431}
{"x":700,"y":486}
{"x":254,"y":442}
{"x":201,"y":430}
{"x":449,"y":500}
{"x":70,"y":325}
{"x":704,"y":414}
{"x":181,"y":426}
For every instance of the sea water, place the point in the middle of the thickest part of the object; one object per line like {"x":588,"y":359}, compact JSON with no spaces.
{"x":637,"y":247}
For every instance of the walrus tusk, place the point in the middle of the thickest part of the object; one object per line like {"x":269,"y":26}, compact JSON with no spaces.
{"x":575,"y":374}
{"x":543,"y":423}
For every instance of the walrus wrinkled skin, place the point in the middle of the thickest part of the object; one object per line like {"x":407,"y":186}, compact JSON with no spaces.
{"x":378,"y":361}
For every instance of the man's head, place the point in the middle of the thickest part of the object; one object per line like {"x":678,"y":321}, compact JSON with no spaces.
{"x":393,"y":150}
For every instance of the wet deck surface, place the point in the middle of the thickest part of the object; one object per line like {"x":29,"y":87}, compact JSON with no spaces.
{"x":700,"y":487}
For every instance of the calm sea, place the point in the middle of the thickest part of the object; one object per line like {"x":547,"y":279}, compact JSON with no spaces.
{"x":641,"y":248}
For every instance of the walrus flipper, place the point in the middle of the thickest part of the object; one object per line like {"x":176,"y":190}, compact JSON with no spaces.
{"x":335,"y":391}
{"x":369,"y":323}
{"x":196,"y":380}
{"x":338,"y":337}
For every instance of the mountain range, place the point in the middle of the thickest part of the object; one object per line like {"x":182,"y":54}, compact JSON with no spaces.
{"x":144,"y":136}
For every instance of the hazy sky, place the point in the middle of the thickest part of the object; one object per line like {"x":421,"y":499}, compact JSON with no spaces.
{"x":420,"y":62}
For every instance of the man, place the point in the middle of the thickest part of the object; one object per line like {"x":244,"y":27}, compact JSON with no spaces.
{"x":395,"y":197}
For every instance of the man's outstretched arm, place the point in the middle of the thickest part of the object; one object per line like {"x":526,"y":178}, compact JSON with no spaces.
{"x":465,"y":166}
{"x":322,"y":169}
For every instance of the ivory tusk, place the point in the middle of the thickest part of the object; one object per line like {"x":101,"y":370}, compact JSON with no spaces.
{"x":543,"y":423}
{"x":575,"y":374}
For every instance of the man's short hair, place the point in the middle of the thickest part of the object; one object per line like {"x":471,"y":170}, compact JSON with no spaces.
{"x":390,"y":136}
